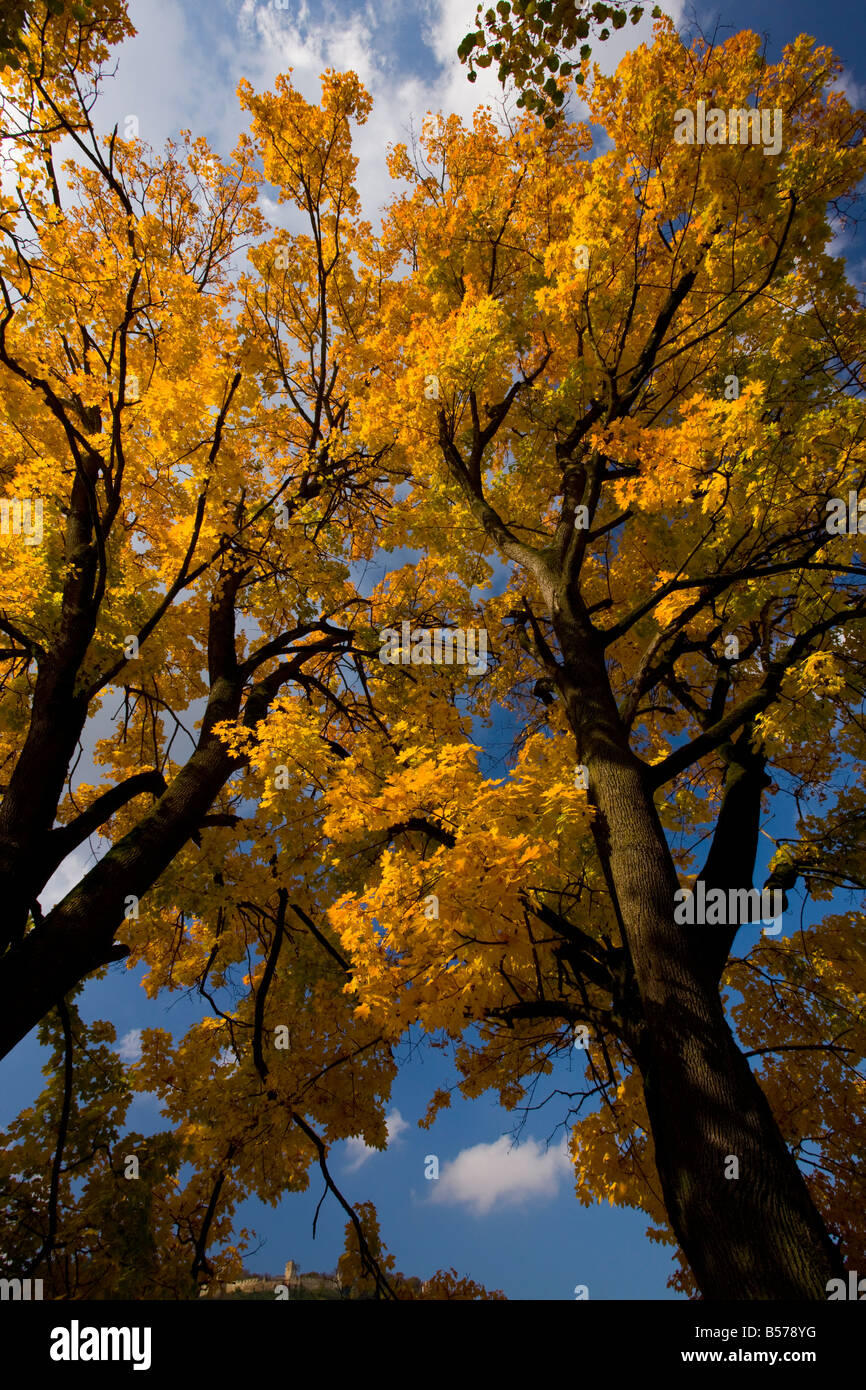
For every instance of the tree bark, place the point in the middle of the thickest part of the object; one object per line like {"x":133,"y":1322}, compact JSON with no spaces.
{"x":757,"y":1235}
{"x":77,"y":936}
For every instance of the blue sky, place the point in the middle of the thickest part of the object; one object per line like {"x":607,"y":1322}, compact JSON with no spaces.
{"x":506,"y":1216}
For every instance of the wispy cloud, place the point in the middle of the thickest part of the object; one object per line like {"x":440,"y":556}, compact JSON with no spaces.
{"x":358,"y":1152}
{"x":183,"y":68}
{"x":129,"y":1046}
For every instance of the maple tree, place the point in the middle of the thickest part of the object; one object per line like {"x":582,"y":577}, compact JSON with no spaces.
{"x":644,"y":389}
{"x":60,"y":37}
{"x":184,"y":503}
{"x":524,"y":379}
{"x":91,"y":1208}
{"x":194,"y":496}
{"x":528,"y":39}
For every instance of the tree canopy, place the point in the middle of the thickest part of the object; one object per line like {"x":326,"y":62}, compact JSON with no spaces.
{"x":607,"y":400}
{"x":539,"y":45}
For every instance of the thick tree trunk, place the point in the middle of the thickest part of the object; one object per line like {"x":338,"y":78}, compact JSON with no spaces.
{"x":28,"y":808}
{"x":757,"y":1235}
{"x":77,"y":936}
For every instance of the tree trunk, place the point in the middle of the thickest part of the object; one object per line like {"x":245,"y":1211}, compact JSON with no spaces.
{"x":77,"y":936}
{"x":757,"y":1235}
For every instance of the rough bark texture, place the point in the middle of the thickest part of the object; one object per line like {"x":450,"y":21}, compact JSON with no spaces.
{"x":757,"y":1236}
{"x":77,"y":936}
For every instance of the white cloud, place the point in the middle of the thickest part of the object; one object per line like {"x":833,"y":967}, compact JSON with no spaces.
{"x":183,"y":68}
{"x":855,"y":93}
{"x":129,"y":1046}
{"x":359,"y":1152}
{"x":502,"y":1174}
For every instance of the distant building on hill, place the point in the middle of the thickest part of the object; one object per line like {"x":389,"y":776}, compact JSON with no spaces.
{"x":291,"y":1284}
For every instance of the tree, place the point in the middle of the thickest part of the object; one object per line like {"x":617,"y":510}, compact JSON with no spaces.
{"x":178,"y":504}
{"x":634,"y":382}
{"x":179,"y":494}
{"x":444,"y":1285}
{"x":649,"y":375}
{"x":47,"y":36}
{"x":92,"y":1211}
{"x":184,"y":497}
{"x":527,"y":38}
